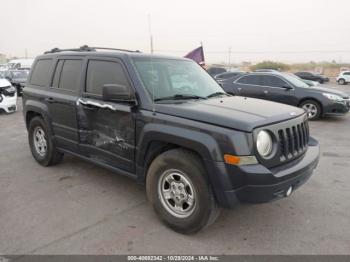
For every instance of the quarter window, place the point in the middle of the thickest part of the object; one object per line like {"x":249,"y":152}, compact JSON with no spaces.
{"x":41,"y":72}
{"x":100,"y":73}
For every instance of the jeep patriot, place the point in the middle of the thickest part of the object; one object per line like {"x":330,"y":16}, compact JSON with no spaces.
{"x":166,"y":123}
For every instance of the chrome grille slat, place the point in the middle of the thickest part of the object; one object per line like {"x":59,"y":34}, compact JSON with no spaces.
{"x":293,"y":140}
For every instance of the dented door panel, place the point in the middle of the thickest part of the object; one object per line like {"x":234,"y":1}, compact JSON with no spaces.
{"x":106,"y":133}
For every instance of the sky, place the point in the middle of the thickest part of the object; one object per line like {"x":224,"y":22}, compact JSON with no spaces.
{"x":254,"y":30}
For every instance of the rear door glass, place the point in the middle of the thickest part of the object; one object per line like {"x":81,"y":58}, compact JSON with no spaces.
{"x":41,"y":72}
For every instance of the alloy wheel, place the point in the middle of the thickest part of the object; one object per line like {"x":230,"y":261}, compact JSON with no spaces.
{"x":176,"y":193}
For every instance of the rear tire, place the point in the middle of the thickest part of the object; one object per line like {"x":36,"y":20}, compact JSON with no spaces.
{"x":313,"y":109}
{"x":179,"y":192}
{"x":42,"y":144}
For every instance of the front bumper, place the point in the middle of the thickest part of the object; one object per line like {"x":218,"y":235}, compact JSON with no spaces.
{"x":8,"y":104}
{"x":264,"y":185}
{"x":337,"y":108}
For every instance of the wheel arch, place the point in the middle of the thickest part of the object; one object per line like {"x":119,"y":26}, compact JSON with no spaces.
{"x":35,"y":108}
{"x":312,"y":99}
{"x":156,"y":139}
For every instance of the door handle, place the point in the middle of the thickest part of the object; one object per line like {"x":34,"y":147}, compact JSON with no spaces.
{"x":266,"y":92}
{"x":49,"y":100}
{"x":239,"y":88}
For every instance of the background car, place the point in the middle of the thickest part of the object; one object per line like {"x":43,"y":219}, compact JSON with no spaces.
{"x":343,"y":78}
{"x":308,"y":82}
{"x":20,"y":63}
{"x":8,"y":97}
{"x":213,"y":71}
{"x":18,"y":78}
{"x":266,"y":70}
{"x":313,"y":77}
{"x":227,"y":75}
{"x":288,"y":89}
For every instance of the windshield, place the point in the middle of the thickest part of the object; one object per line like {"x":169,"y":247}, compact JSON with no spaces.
{"x":295,"y":80}
{"x":20,"y":74}
{"x":170,"y":77}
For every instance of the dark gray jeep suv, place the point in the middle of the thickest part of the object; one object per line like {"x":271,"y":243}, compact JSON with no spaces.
{"x":166,"y":123}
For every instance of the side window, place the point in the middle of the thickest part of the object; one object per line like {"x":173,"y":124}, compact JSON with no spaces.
{"x":273,"y":81}
{"x":100,"y":73}
{"x":250,"y":80}
{"x":70,"y":75}
{"x":41,"y":72}
{"x":347,"y":74}
{"x":58,"y":70}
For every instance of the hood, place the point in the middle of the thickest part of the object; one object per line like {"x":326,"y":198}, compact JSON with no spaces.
{"x":19,"y":80}
{"x":234,"y":112}
{"x":4,"y":82}
{"x":329,"y":90}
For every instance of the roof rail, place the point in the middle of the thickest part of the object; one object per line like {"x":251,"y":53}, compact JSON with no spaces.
{"x":86,"y":48}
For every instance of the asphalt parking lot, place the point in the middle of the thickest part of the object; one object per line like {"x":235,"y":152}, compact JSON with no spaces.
{"x":78,"y":208}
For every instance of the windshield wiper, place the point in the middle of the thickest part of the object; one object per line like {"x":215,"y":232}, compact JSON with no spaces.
{"x":179,"y":97}
{"x":217,"y":94}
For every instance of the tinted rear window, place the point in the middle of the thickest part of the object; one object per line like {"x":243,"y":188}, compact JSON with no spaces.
{"x":70,"y":75}
{"x":250,"y":80}
{"x":41,"y":72}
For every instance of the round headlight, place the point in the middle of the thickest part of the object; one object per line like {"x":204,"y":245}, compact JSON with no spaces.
{"x":264,"y":143}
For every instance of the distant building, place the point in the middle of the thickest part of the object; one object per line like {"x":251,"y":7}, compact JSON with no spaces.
{"x":3,"y":59}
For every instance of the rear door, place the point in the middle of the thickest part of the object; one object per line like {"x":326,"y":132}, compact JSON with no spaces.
{"x":249,"y":85}
{"x":62,"y":101}
{"x":106,"y":129}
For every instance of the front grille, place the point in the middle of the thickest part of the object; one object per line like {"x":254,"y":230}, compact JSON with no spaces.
{"x":290,"y":138}
{"x":10,"y":94}
{"x":293,"y":140}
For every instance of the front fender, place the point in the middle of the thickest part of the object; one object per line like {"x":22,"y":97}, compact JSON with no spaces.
{"x":201,"y":143}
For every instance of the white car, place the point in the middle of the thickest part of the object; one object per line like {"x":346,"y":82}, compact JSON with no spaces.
{"x":8,"y":97}
{"x":343,"y":78}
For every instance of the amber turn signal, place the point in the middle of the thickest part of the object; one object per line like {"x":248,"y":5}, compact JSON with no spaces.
{"x":240,"y":160}
{"x":232,"y":160}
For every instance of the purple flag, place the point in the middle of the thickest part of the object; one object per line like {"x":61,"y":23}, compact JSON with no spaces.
{"x":196,"y":55}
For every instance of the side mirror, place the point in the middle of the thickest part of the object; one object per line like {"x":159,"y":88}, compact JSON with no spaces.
{"x":117,"y":93}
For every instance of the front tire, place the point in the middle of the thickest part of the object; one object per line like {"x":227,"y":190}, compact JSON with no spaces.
{"x":179,"y":192}
{"x":312,"y":108}
{"x":341,"y":81}
{"x":41,"y":143}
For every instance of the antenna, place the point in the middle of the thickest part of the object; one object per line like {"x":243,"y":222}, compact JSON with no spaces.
{"x":150,"y":32}
{"x":152,"y":67}
{"x":152,"y":86}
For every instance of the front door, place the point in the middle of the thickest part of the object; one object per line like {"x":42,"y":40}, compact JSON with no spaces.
{"x":249,"y":86}
{"x":278,"y":90}
{"x":106,"y":129}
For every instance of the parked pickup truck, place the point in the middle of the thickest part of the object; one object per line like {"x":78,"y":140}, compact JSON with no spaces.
{"x":166,"y":123}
